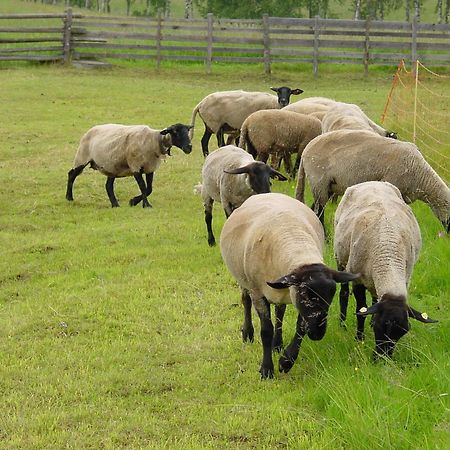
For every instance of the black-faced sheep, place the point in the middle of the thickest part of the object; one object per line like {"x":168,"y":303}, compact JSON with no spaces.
{"x":334,"y":161}
{"x":273,"y":246}
{"x":314,"y":106}
{"x":278,"y":132}
{"x":125,"y":150}
{"x":230,"y":175}
{"x":225,"y":111}
{"x":347,"y":116}
{"x":377,"y":235}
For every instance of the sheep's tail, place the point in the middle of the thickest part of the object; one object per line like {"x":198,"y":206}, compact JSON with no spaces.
{"x":194,"y":114}
{"x":198,"y":189}
{"x":300,"y":189}
{"x":243,"y":137}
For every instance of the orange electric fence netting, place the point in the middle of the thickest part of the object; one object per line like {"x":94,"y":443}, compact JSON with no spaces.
{"x":418,"y":109}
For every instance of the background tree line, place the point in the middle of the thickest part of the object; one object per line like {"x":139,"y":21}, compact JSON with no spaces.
{"x":250,"y":9}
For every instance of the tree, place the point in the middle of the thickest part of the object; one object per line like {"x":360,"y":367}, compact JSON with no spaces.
{"x":188,"y":9}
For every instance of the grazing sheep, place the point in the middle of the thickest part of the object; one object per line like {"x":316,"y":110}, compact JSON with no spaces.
{"x":334,"y":161}
{"x":231,"y":175}
{"x":125,"y":150}
{"x":347,"y":116}
{"x":276,"y":131}
{"x":224,"y":112}
{"x":377,"y":235}
{"x":314,"y":106}
{"x":273,"y":246}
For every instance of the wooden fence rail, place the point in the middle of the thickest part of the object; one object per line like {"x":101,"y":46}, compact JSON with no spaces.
{"x":268,"y":41}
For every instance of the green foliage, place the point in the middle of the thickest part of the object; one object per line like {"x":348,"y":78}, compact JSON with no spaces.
{"x":120,"y":328}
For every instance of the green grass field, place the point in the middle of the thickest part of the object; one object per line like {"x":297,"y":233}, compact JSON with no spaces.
{"x":120,"y":328}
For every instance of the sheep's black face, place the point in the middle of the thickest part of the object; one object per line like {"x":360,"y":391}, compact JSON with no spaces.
{"x":390,"y":324}
{"x":180,"y":136}
{"x":284,"y":94}
{"x":314,"y":297}
{"x":315,"y":285}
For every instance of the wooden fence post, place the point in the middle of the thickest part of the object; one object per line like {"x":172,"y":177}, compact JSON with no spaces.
{"x":367,"y":48}
{"x":158,"y":38}
{"x":209,"y":50}
{"x":414,"y":44}
{"x":67,"y":36}
{"x":316,"y":47}
{"x":266,"y":39}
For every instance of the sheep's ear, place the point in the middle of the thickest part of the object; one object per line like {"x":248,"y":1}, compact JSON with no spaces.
{"x":297,"y":91}
{"x":391,"y":134}
{"x":275,"y":174}
{"x":367,"y":311}
{"x":237,"y":171}
{"x":421,"y":317}
{"x":165,"y":131}
{"x":274,"y":89}
{"x":343,"y":277}
{"x":283,"y":282}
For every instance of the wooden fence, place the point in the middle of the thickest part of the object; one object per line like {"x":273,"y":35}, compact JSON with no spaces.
{"x":268,"y":41}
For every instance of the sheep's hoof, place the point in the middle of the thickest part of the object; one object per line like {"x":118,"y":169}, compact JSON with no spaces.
{"x":114,"y":205}
{"x":211,"y":242}
{"x":148,"y":205}
{"x":285,"y":363}
{"x":266,"y":372}
{"x":247,"y":334}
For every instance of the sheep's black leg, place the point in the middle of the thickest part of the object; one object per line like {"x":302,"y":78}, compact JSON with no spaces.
{"x":296,"y":165}
{"x":251,"y":149}
{"x":290,"y":354}
{"x":263,"y":308}
{"x":247,"y":327}
{"x":110,"y":191}
{"x":141,"y":183}
{"x":71,"y":175}
{"x":220,"y":137}
{"x":319,"y":210}
{"x":208,"y":204}
{"x":149,"y":178}
{"x":277,"y":343}
{"x":343,"y":301}
{"x":359,"y":291}
{"x":205,"y":140}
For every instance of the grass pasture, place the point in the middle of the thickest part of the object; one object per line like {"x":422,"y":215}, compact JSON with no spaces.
{"x":120,"y":328}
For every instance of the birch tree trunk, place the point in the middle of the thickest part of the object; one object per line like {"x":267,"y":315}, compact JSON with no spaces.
{"x":417,"y":9}
{"x":439,"y":11}
{"x":358,"y":10}
{"x":188,"y":9}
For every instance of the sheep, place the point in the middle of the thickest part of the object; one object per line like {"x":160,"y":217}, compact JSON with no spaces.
{"x":274,"y":131}
{"x":347,"y":116}
{"x":314,"y":106}
{"x":337,"y":115}
{"x":225,"y":111}
{"x":336,"y":160}
{"x":377,"y":235}
{"x":231,"y":175}
{"x":273,"y":246}
{"x":125,"y":150}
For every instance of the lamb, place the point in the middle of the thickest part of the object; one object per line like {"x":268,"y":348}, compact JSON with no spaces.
{"x":336,"y":160}
{"x":347,"y":116}
{"x":231,"y":175}
{"x":273,"y":246}
{"x":377,"y":235}
{"x":125,"y":150}
{"x":273,"y":131}
{"x":225,"y":111}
